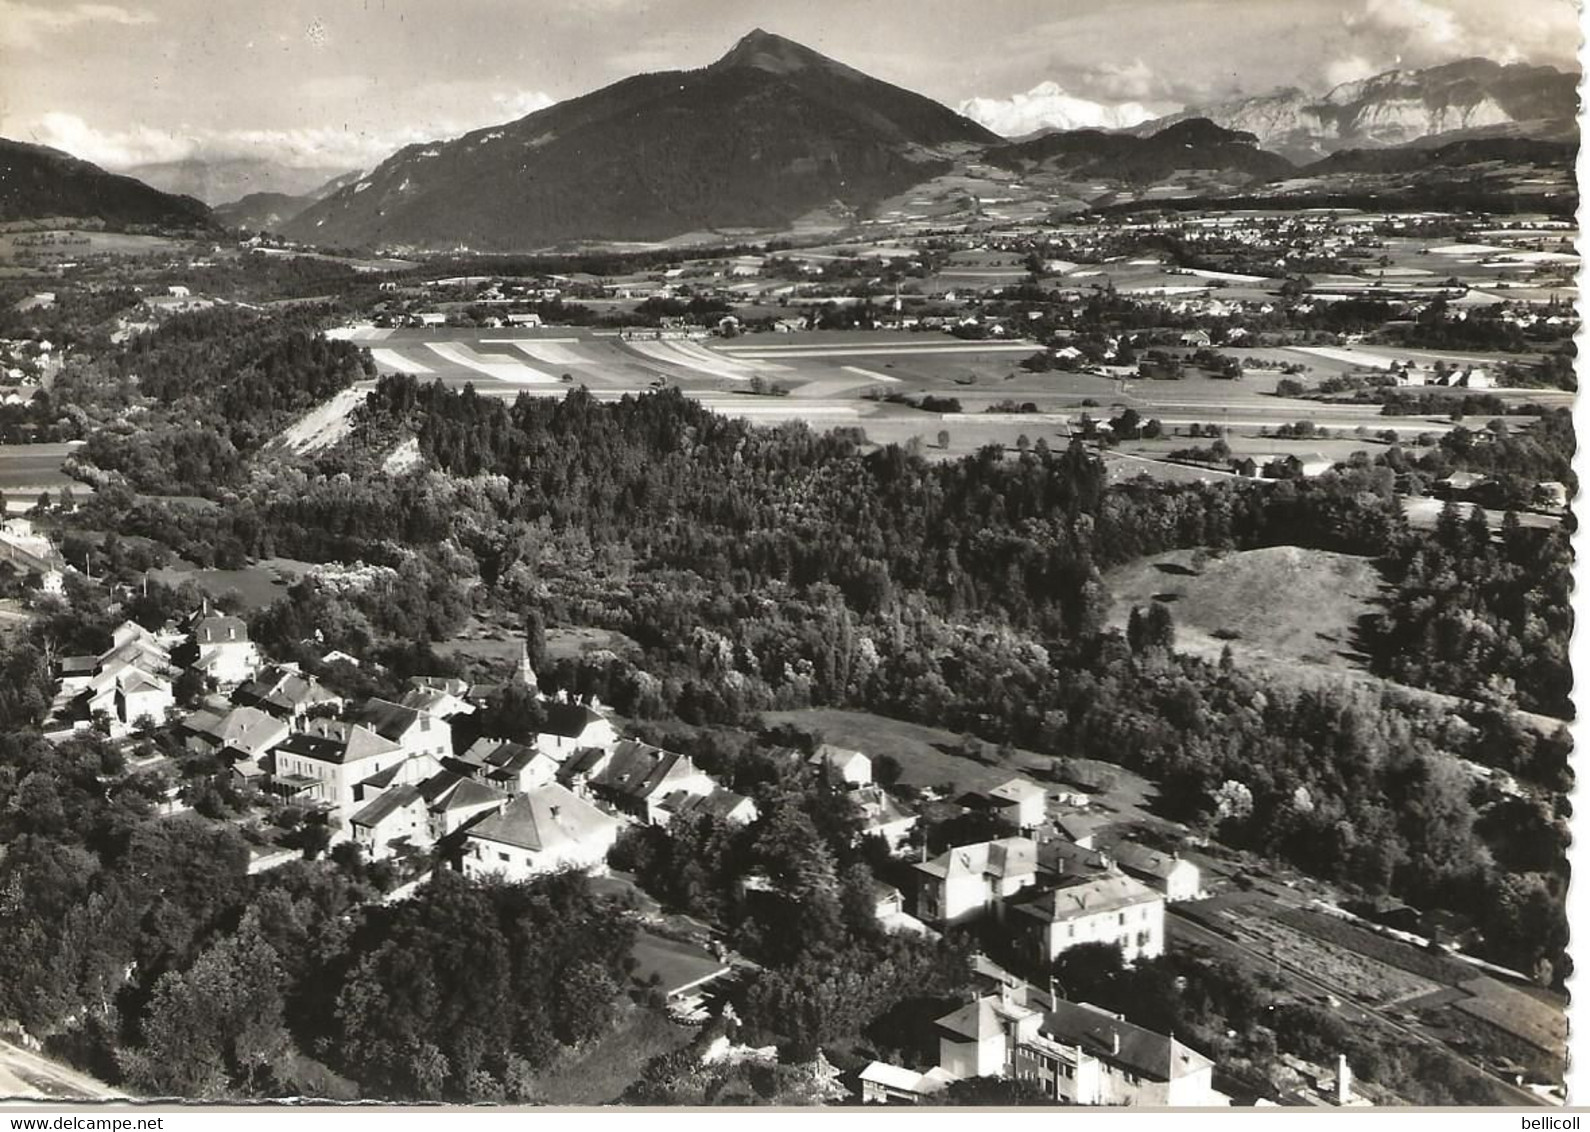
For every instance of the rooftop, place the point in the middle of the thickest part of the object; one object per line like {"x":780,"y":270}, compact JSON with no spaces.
{"x":386,"y":805}
{"x":1088,"y":896}
{"x":569,"y":720}
{"x":1113,"y":1039}
{"x":1009,"y":856}
{"x":545,"y":819}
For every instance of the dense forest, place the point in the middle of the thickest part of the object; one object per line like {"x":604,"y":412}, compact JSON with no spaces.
{"x":179,"y":407}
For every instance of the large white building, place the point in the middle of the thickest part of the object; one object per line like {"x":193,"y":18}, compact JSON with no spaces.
{"x":1078,"y":1053}
{"x":1111,"y":908}
{"x":973,"y":881}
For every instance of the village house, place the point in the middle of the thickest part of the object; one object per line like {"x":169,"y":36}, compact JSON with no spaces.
{"x":1078,"y":1053}
{"x":32,"y":553}
{"x":1087,"y":1056}
{"x":329,"y":762}
{"x":973,"y":881}
{"x":889,"y":908}
{"x":1111,"y":909}
{"x":543,"y":831}
{"x":512,"y":768}
{"x":453,"y":801}
{"x":882,"y":1083}
{"x":226,"y":656}
{"x":1082,"y":829}
{"x":721,"y":805}
{"x":1024,"y":803}
{"x":843,"y":764}
{"x":1167,"y":873}
{"x":640,"y":778}
{"x":240,"y":733}
{"x":415,"y":732}
{"x":883,"y":816}
{"x":285,"y":691}
{"x":439,"y":697}
{"x":396,"y":819}
{"x":571,"y":727}
{"x":131,"y":680}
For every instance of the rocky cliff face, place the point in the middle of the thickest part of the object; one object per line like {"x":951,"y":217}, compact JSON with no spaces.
{"x":1398,"y":107}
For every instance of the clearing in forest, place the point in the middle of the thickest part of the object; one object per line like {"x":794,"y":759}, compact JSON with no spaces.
{"x":1278,"y":603}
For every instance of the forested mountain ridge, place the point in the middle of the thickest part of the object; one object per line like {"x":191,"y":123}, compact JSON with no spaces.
{"x":36,"y":181}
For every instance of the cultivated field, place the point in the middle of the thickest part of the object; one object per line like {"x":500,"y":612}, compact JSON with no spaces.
{"x":37,"y":467}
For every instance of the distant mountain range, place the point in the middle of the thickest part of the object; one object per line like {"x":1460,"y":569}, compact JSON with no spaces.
{"x":36,"y":181}
{"x":218,"y":181}
{"x":1397,"y":107}
{"x":768,"y":133}
{"x":268,"y":212}
{"x":1191,"y":144}
{"x":773,"y":132}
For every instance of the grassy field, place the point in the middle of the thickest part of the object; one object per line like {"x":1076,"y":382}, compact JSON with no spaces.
{"x":36,"y":466}
{"x":931,"y":756}
{"x":257,"y":585}
{"x":1522,"y":1015}
{"x":928,"y":756}
{"x":1278,"y":602}
{"x":677,"y":965}
{"x":600,"y":1073}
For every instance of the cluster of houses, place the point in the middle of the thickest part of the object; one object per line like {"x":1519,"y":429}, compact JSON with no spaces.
{"x":416,"y":774}
{"x":394,"y":776}
{"x":1073,"y":1052}
{"x":132,"y":684}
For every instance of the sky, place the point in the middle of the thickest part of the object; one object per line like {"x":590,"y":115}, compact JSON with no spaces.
{"x":340,"y":84}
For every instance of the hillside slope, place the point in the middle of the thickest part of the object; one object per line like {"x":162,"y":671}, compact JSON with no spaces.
{"x":771,"y":131}
{"x":1195,"y":143}
{"x":36,"y":181}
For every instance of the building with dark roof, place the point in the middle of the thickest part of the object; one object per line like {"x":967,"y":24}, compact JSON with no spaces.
{"x":639,"y":778}
{"x":571,"y":727}
{"x":285,"y":691}
{"x":396,"y":818}
{"x":721,"y":805}
{"x":1077,"y":1053}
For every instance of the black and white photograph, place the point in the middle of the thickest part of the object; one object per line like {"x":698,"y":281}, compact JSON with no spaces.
{"x":606,"y":554}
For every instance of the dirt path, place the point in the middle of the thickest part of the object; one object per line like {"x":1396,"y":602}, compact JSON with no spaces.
{"x":24,"y":1073}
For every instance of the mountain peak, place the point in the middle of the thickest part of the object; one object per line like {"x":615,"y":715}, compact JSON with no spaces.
{"x":765,"y":51}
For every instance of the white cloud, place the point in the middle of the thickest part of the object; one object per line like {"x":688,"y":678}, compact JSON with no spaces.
{"x":71,"y":134}
{"x":514,"y":106}
{"x":1048,"y":106}
{"x":1350,"y":70}
{"x":298,"y":148}
{"x":1415,"y":23}
{"x":27,"y":25}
